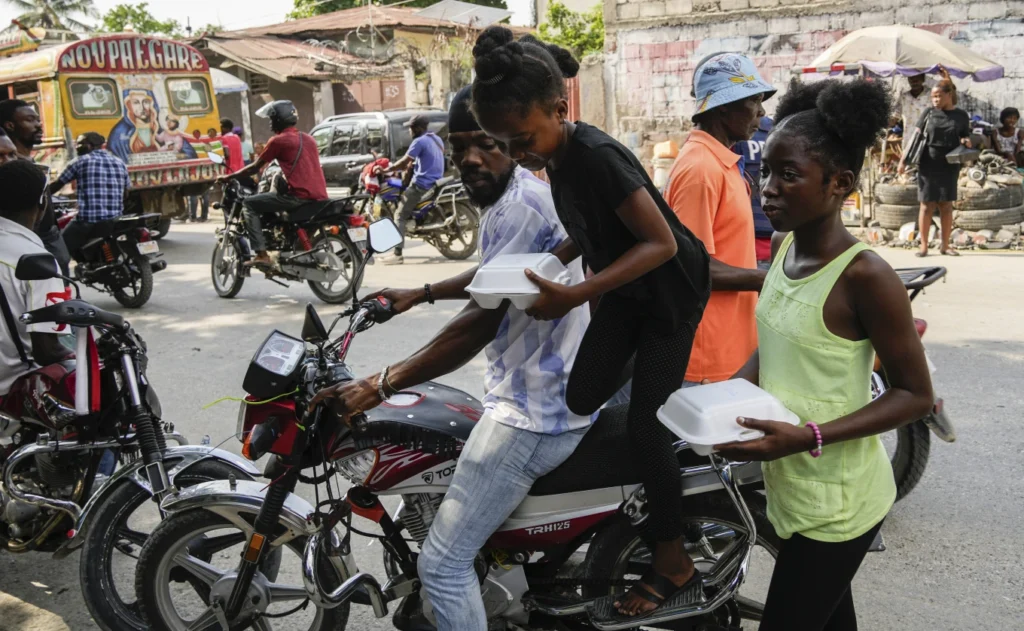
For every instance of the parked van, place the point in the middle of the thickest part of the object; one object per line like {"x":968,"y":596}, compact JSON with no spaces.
{"x":146,"y":95}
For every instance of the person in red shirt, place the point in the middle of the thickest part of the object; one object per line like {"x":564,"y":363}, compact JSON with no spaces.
{"x":233,"y":144}
{"x":296,"y":153}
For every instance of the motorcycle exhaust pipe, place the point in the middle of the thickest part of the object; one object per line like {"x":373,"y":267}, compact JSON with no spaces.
{"x":346,"y":590}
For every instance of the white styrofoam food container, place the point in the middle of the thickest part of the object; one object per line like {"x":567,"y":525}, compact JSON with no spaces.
{"x":705,"y":416}
{"x":504,"y":277}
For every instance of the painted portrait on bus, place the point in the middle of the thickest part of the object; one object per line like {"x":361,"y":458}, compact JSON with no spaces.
{"x":139,"y":130}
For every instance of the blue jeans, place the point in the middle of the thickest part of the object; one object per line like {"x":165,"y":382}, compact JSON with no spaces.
{"x":497,"y":467}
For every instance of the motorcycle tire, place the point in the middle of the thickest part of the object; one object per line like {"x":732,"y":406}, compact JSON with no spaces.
{"x":350,"y":258}
{"x":604,"y":555}
{"x":227,"y":285}
{"x":96,"y":570}
{"x":186,"y":525}
{"x":139,"y":269}
{"x":913,"y":445}
{"x":466,"y":233}
{"x":162,"y":229}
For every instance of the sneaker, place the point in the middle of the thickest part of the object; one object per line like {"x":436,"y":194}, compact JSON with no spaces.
{"x":391,"y":259}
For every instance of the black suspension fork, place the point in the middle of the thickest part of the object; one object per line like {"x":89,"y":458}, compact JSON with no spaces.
{"x":152,"y":442}
{"x":262,"y":534}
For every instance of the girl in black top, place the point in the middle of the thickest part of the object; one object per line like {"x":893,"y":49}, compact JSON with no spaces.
{"x":651,"y":274}
{"x":945,"y":127}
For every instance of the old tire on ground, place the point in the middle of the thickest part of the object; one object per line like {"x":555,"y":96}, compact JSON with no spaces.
{"x":893,"y":216}
{"x":913,"y":445}
{"x":896,"y":194}
{"x":991,"y":219}
{"x":990,"y":198}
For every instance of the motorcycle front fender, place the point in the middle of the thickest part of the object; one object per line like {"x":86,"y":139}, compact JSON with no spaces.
{"x":176,"y":460}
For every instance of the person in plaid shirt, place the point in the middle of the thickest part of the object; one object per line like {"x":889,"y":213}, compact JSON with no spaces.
{"x":102,"y":182}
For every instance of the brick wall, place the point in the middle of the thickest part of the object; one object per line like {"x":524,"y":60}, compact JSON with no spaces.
{"x":652,"y":46}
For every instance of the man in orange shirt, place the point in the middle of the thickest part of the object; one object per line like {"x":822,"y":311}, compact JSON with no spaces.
{"x":712,"y":198}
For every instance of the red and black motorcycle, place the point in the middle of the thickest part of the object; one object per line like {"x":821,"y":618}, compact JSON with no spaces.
{"x":556,"y":563}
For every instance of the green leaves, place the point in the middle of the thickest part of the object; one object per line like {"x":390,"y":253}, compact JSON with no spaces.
{"x":581,"y":33}
{"x":138,"y":19}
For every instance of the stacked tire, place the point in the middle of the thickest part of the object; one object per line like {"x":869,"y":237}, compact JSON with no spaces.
{"x":895,"y":205}
{"x":989,"y":208}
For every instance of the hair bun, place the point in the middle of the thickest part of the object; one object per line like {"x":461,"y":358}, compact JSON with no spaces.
{"x":496,"y":53}
{"x":855,"y":111}
{"x":567,"y":64}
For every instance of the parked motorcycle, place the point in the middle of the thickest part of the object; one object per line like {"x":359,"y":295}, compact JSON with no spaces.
{"x":444,"y":218}
{"x":321,"y":242}
{"x":51,"y":449}
{"x":557,"y":562}
{"x":910,"y":445}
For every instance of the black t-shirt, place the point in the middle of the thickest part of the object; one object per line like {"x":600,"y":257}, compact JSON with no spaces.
{"x":596,"y":175}
{"x":943,"y":130}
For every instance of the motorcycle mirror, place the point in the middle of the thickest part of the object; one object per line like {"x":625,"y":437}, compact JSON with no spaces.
{"x":313,"y":330}
{"x":37,"y":267}
{"x":215,"y":158}
{"x":383,"y":236}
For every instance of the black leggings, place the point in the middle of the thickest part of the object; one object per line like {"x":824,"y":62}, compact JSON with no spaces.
{"x":810,"y":588}
{"x":619,"y":329}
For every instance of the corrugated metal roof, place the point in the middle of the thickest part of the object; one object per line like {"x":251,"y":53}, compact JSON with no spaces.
{"x":283,"y":59}
{"x":346,"y":20}
{"x":464,"y":13}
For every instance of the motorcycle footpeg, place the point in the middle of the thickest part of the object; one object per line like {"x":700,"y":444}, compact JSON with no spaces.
{"x":604,"y":615}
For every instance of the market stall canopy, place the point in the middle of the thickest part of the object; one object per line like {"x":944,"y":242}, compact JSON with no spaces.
{"x":227,"y":83}
{"x":889,"y":50}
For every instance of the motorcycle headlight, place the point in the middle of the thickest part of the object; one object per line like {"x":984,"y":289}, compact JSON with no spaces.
{"x":358,"y":467}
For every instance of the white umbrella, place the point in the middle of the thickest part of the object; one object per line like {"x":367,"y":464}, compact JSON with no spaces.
{"x":889,"y":50}
{"x":226,"y":83}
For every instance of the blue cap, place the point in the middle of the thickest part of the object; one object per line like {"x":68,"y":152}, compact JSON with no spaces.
{"x":727,"y":78}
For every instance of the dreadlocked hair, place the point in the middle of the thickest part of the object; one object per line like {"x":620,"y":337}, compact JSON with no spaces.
{"x":516,"y":75}
{"x":839,"y":120}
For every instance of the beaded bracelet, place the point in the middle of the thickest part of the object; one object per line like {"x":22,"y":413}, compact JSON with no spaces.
{"x":817,"y":435}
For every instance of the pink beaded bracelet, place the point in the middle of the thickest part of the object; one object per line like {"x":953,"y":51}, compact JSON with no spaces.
{"x":817,"y":435}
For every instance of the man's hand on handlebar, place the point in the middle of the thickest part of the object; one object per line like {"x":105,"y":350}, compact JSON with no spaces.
{"x":401,"y":299}
{"x":224,"y":179}
{"x":349,"y":398}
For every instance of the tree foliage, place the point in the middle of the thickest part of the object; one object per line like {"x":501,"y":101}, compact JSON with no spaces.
{"x":137,"y":18}
{"x":581,"y":33}
{"x":309,"y":8}
{"x":53,"y":14}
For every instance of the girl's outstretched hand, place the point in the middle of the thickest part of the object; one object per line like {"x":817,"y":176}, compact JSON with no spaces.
{"x":555,"y":300}
{"x":779,"y":440}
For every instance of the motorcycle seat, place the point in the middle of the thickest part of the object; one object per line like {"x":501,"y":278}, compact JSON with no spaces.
{"x":600,"y":461}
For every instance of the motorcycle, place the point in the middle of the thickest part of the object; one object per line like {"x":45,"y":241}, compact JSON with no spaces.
{"x":321,"y":242}
{"x":556,"y":563}
{"x":444,"y":218}
{"x":121,"y":261}
{"x":51,"y":450}
{"x":910,"y":445}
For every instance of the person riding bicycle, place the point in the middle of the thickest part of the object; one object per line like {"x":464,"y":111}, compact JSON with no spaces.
{"x":527,"y":429}
{"x":296,"y":153}
{"x":427,"y":153}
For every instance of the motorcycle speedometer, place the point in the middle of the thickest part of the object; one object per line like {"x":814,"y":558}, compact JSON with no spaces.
{"x":274,"y":369}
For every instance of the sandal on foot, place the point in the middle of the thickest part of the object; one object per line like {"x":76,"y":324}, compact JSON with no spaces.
{"x":651,"y":584}
{"x":920,"y":255}
{"x":949,"y":252}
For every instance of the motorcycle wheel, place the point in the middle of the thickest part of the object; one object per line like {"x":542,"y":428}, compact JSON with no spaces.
{"x":617,"y":552}
{"x":112,"y":544}
{"x":141,"y":275}
{"x":908,"y":448}
{"x":342,"y":288}
{"x":226,"y":269}
{"x":459,"y":241}
{"x":162,"y":229}
{"x":161,"y":593}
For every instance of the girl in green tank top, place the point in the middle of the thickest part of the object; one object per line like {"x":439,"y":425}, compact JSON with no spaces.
{"x":827,"y":306}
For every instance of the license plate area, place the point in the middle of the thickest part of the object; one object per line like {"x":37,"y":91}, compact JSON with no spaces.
{"x":357,"y":234}
{"x":148,"y":247}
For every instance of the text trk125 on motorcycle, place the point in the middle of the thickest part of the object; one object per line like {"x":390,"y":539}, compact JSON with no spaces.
{"x":322,"y":243}
{"x":557,"y":562}
{"x":121,"y":259}
{"x":59,"y":422}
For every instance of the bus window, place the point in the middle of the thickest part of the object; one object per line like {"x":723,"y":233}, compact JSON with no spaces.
{"x":189,"y":96}
{"x":94,"y":98}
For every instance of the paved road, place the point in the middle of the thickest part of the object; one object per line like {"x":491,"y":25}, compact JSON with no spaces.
{"x":955,"y":551}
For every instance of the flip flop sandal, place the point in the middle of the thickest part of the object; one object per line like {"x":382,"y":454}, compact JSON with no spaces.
{"x":949,"y":253}
{"x":676,"y":597}
{"x":920,"y":255}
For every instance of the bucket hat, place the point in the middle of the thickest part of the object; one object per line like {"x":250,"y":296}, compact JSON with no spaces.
{"x":727,"y":78}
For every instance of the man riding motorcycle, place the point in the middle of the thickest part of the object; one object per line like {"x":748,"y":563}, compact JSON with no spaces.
{"x":296,"y":153}
{"x":527,"y":430}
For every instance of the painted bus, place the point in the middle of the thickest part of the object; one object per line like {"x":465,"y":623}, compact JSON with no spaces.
{"x":148,"y":96}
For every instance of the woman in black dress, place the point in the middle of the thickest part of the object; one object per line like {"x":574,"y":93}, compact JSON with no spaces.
{"x":945,"y":127}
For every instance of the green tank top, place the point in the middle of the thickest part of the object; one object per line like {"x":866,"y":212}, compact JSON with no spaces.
{"x":821,"y":377}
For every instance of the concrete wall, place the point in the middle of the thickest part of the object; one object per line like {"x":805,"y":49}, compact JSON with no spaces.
{"x":652,"y":46}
